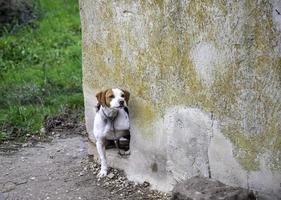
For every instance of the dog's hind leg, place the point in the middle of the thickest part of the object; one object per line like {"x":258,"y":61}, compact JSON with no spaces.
{"x":101,"y":151}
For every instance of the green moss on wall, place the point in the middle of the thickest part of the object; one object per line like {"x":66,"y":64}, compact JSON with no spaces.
{"x":162,"y":73}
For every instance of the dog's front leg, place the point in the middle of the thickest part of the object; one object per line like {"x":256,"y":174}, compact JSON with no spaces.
{"x":101,"y":151}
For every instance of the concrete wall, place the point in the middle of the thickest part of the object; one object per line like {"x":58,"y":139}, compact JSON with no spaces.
{"x":204,"y":78}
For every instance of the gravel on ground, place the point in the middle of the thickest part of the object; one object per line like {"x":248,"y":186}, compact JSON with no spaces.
{"x":61,"y":169}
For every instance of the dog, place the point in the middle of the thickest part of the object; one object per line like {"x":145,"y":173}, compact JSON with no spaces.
{"x":112,"y":115}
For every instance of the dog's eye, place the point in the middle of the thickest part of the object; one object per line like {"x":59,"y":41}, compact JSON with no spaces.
{"x":111,"y":96}
{"x":123,"y":95}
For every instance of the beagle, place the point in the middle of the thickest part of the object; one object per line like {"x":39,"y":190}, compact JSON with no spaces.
{"x":112,"y":115}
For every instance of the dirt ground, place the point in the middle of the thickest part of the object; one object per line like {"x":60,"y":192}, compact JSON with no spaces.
{"x":61,"y":169}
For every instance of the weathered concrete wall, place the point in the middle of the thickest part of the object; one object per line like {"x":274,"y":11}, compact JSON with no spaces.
{"x":204,"y":78}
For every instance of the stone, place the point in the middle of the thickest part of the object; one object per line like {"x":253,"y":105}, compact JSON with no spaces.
{"x":190,"y":65}
{"x":203,"y":188}
{"x":43,"y":130}
{"x":110,"y":175}
{"x":9,"y":186}
{"x":24,"y":145}
{"x":146,"y":184}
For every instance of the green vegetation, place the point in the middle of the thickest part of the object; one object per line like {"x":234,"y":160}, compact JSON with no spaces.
{"x":40,"y":69}
{"x":14,"y":14}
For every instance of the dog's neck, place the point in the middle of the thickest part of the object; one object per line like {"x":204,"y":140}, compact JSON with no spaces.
{"x":108,"y":113}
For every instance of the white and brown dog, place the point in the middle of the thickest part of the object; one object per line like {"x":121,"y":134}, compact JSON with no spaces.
{"x":112,"y":115}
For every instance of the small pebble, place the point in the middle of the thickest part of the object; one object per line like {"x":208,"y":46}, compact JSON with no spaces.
{"x":110,"y":175}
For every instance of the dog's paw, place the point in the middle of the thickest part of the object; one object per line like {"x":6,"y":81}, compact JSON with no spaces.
{"x":102,"y":173}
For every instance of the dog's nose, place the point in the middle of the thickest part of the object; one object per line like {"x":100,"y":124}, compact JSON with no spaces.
{"x":121,"y":103}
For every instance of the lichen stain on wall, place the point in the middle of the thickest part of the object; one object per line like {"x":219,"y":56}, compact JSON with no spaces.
{"x":214,"y":55}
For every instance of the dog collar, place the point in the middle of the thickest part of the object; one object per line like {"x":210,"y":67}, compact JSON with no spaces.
{"x":110,"y":118}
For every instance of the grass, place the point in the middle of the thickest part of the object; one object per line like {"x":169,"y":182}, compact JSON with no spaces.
{"x":40,"y":69}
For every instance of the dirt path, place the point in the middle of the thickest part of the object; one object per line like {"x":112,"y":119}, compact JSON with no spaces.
{"x":61,"y":170}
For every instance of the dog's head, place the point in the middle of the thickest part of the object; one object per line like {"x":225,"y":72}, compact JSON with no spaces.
{"x":113,"y":98}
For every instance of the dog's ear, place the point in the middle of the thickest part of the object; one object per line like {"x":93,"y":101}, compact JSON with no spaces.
{"x":101,"y":98}
{"x":127,"y":96}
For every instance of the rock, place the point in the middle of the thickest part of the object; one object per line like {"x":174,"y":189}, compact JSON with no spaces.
{"x":117,"y":183}
{"x":9,"y":186}
{"x":110,"y":175}
{"x":146,"y":184}
{"x":205,"y":189}
{"x":24,"y":145}
{"x":43,"y":130}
